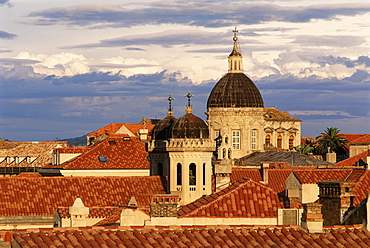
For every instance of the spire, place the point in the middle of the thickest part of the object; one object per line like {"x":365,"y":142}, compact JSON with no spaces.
{"x":235,"y":57}
{"x":169,"y":99}
{"x":188,"y":108}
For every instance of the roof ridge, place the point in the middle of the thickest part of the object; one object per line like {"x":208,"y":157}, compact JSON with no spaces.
{"x":225,"y":192}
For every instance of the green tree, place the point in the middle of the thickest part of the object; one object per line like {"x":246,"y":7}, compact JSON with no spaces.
{"x":331,"y":141}
{"x":304,"y":149}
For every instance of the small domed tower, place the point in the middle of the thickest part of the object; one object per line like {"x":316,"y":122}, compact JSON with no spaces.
{"x":185,"y":154}
{"x":235,"y":111}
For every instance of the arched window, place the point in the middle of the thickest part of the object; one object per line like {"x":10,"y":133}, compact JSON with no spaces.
{"x":224,"y":153}
{"x":204,"y":173}
{"x":229,"y":153}
{"x":160,"y":169}
{"x":179,"y":174}
{"x":291,"y":142}
{"x":267,"y":140}
{"x":279,"y":142}
{"x":192,"y":174}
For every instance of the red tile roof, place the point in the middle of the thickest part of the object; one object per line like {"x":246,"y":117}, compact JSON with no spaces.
{"x":353,"y":161}
{"x":94,"y":212}
{"x":114,"y":127}
{"x":351,"y":137}
{"x":276,"y":177}
{"x":40,"y":154}
{"x":362,"y":140}
{"x":120,"y":154}
{"x":249,"y":237}
{"x":238,"y":173}
{"x":317,"y":175}
{"x":362,"y":188}
{"x":73,"y":150}
{"x":243,"y":199}
{"x":43,"y":195}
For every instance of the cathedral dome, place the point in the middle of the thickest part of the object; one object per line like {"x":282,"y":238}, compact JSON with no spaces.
{"x":190,"y":126}
{"x":235,"y":90}
{"x":162,"y":130}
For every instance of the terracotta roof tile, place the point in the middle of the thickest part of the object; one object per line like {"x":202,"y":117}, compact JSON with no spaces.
{"x":362,"y":140}
{"x":29,"y":154}
{"x":94,"y":212}
{"x":239,"y":173}
{"x":196,"y":237}
{"x":357,"y":160}
{"x":114,"y":127}
{"x":351,"y":137}
{"x":245,"y":198}
{"x":43,"y":195}
{"x":276,"y":177}
{"x":273,"y":114}
{"x":362,"y":188}
{"x":316,"y":175}
{"x":119,"y":154}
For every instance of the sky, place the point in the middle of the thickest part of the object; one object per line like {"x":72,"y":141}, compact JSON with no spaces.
{"x":68,"y":69}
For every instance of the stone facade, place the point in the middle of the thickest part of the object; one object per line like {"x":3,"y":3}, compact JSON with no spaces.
{"x":336,"y":198}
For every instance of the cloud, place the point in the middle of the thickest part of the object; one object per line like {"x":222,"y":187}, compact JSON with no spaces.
{"x":206,"y":14}
{"x":304,"y":64}
{"x":330,"y":40}
{"x":63,"y":64}
{"x":165,"y":38}
{"x":6,"y":35}
{"x":5,"y":2}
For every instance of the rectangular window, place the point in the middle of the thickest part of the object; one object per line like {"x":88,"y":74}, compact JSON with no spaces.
{"x":236,"y":139}
{"x":254,"y":140}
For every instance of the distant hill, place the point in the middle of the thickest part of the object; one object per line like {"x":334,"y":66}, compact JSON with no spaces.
{"x":77,"y":141}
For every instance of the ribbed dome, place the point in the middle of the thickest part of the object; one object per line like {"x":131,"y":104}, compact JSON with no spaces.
{"x":190,"y":126}
{"x":162,"y":130}
{"x":235,"y":90}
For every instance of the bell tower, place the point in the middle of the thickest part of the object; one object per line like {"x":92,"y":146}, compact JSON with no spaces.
{"x":187,"y":151}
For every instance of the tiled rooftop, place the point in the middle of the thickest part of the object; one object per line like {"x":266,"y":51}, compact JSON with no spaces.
{"x":243,"y":199}
{"x":239,"y":173}
{"x":43,"y":195}
{"x":355,"y":160}
{"x":362,"y":188}
{"x":362,"y":140}
{"x":293,"y":158}
{"x":249,"y":237}
{"x":317,"y":175}
{"x":273,"y":114}
{"x":29,"y":154}
{"x":114,"y":127}
{"x":276,"y":177}
{"x":94,"y":212}
{"x":73,"y":150}
{"x":118,"y":153}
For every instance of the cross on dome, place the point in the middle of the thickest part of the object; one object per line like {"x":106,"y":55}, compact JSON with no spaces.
{"x":188,"y":109}
{"x":169,"y":99}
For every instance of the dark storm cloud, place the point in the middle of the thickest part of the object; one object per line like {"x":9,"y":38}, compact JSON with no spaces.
{"x":6,"y":35}
{"x":206,"y":14}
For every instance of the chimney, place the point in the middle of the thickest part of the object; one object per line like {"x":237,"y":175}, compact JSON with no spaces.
{"x":264,"y":173}
{"x":143,"y":135}
{"x":164,"y":205}
{"x":312,"y":220}
{"x":78,"y":213}
{"x":336,"y":197}
{"x":222,"y":171}
{"x":331,"y":157}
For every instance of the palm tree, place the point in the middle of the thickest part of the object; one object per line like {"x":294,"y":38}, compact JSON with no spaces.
{"x":304,"y":149}
{"x":331,"y":141}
